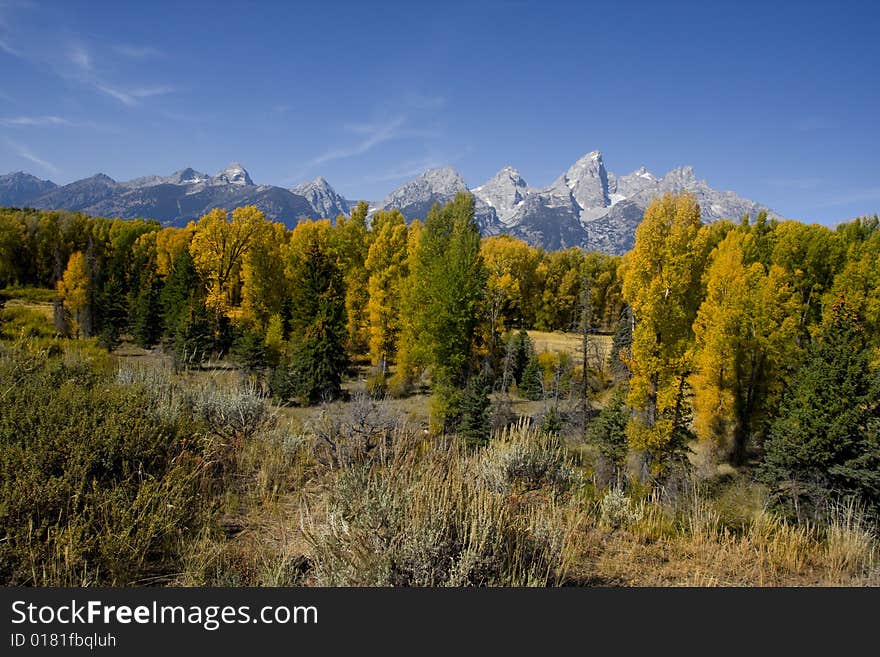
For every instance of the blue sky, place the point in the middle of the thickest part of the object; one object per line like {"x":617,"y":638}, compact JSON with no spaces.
{"x":777,"y":101}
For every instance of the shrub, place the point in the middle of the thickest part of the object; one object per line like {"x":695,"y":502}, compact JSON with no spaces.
{"x":521,"y":458}
{"x":96,"y":489}
{"x":428,"y":515}
{"x":616,"y":510}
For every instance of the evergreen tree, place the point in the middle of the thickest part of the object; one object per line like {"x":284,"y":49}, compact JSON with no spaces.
{"x":146,"y":313}
{"x":531,"y":384}
{"x":476,"y":411}
{"x":825,"y":444}
{"x":608,"y":431}
{"x":193,"y":337}
{"x":249,"y":349}
{"x":318,"y":327}
{"x":553,"y":420}
{"x":621,"y":346}
{"x":522,"y":354}
{"x":181,"y":287}
{"x":111,"y":312}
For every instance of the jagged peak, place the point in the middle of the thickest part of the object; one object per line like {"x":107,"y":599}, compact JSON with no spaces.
{"x":507,"y":174}
{"x":189,"y":175}
{"x":235,"y":174}
{"x":316,"y":183}
{"x":512,"y":173}
{"x":592,"y":160}
{"x":685,"y":173}
{"x":441,"y":172}
{"x":442,"y":179}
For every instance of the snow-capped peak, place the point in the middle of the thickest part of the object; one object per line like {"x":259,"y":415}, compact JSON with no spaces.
{"x":234,"y":174}
{"x":642,"y":172}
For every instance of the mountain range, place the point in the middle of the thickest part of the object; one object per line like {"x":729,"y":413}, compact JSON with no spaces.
{"x":586,"y":206}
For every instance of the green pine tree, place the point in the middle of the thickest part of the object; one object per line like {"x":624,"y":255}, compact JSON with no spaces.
{"x":146,"y":313}
{"x":825,"y":444}
{"x":313,"y":371}
{"x":608,"y":431}
{"x":532,"y":381}
{"x":181,"y":287}
{"x":476,"y":412}
{"x":523,"y":351}
{"x":193,"y":337}
{"x":249,"y":350}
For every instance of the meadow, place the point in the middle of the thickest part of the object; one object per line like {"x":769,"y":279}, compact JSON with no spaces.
{"x":207,"y":482}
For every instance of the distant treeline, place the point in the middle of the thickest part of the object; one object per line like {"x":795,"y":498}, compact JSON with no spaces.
{"x":246,"y":274}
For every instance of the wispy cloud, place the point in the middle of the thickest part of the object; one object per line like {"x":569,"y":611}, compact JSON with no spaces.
{"x":22,"y":121}
{"x":71,"y":57}
{"x":148,"y":92}
{"x":130,"y":97}
{"x":51,"y":122}
{"x":373,"y":135}
{"x":27,"y":154}
{"x":8,"y":49}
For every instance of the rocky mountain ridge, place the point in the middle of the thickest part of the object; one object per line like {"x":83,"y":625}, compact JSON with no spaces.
{"x":586,"y":206}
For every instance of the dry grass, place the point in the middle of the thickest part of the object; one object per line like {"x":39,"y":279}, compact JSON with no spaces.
{"x":568,"y":343}
{"x":420,"y":511}
{"x":43,"y":309}
{"x":356,"y":493}
{"x":693,"y":547}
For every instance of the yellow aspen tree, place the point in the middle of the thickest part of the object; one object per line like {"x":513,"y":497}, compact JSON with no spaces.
{"x":386,"y":269}
{"x":218,"y":247}
{"x":744,"y":333}
{"x":511,"y":266}
{"x":858,"y":285}
{"x":812,"y":254}
{"x":170,"y":243}
{"x":408,"y":342}
{"x":562,"y":279}
{"x":661,"y":281}
{"x":351,"y":244}
{"x":264,"y":282}
{"x":73,"y":288}
{"x":717,"y":330}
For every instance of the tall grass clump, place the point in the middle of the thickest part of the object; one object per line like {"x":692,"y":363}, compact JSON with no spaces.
{"x":430,"y":516}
